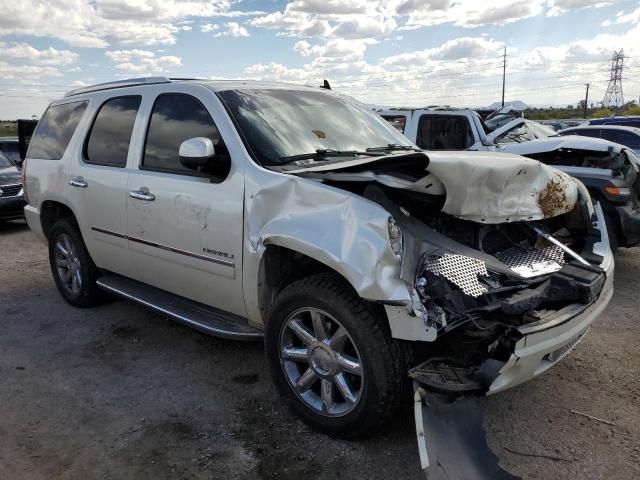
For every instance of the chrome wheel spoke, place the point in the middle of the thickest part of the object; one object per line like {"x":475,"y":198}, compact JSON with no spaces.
{"x":75,"y":285}
{"x":338,"y":339}
{"x":306,"y":380}
{"x":326,"y":394}
{"x":319,"y":327}
{"x":301,"y":331}
{"x":295,"y":354}
{"x":62,"y":263}
{"x":65,"y":276}
{"x":343,"y":387}
{"x":61,"y":249}
{"x":68,"y":247}
{"x":349,"y":364}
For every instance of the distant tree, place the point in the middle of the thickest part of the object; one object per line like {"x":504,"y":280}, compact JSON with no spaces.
{"x":603,"y":112}
{"x":633,"y":110}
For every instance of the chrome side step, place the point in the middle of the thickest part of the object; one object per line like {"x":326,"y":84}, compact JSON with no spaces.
{"x":201,"y":317}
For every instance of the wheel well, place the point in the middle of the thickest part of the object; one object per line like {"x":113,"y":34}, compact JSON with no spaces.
{"x":281,"y":266}
{"x":51,"y":212}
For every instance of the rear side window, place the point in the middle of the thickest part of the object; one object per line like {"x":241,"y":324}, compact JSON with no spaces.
{"x":55,"y":129}
{"x":585,"y":132}
{"x":398,"y":121}
{"x":627,"y":139}
{"x":110,"y":135}
{"x":175,"y":118}
{"x":441,"y":132}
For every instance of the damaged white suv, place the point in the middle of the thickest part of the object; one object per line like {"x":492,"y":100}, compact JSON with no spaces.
{"x":246,"y":209}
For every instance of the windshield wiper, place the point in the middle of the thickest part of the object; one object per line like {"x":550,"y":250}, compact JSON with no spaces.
{"x":392,"y":146}
{"x":323,"y":153}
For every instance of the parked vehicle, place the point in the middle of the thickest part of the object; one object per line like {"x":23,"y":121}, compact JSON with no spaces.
{"x":11,"y":193}
{"x":628,"y":121}
{"x":251,"y":209}
{"x":627,"y":136}
{"x":609,"y":170}
{"x":10,"y":147}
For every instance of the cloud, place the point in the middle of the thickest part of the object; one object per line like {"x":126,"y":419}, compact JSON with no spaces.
{"x":142,"y":61}
{"x":233,"y":29}
{"x":560,"y":6}
{"x":25,"y":53}
{"x":209,"y":27}
{"x":101,"y":23}
{"x":631,"y":17}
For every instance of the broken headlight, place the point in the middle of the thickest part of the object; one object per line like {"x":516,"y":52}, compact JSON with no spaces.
{"x":395,"y":237}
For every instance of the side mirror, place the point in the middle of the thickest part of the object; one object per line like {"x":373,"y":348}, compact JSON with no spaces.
{"x":200,"y":154}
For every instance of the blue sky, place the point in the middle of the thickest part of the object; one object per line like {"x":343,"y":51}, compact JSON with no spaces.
{"x":394,"y":52}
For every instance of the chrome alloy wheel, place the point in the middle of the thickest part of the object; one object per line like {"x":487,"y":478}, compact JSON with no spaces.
{"x":68,"y":264}
{"x":321,"y":362}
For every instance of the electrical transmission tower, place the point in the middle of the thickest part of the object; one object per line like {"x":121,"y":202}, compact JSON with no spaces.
{"x":613,"y":97}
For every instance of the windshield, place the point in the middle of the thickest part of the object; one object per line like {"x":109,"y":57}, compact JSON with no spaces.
{"x":4,"y":161}
{"x":280,"y":124}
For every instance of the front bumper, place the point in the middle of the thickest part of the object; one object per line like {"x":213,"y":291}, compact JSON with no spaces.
{"x":542,"y":347}
{"x":11,"y":208}
{"x":629,"y":224}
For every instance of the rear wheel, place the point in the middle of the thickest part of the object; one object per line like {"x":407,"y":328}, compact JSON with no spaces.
{"x":332,"y":358}
{"x":73,"y":269}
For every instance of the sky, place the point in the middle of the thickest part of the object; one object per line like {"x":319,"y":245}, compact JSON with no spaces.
{"x":393,"y":52}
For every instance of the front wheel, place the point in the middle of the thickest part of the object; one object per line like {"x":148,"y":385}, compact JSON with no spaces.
{"x":332,"y":357}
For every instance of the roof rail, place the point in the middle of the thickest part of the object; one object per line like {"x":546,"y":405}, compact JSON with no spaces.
{"x":131,"y":82}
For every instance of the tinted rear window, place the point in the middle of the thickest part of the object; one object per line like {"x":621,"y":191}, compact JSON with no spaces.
{"x":442,"y":132}
{"x":55,"y":130}
{"x":110,"y":135}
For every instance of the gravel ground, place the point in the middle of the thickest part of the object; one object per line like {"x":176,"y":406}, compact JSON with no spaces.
{"x":118,"y":392}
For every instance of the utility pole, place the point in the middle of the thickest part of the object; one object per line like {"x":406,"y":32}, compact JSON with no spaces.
{"x":586,"y":99}
{"x":504,"y":71}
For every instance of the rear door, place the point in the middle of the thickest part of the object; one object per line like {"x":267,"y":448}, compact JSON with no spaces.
{"x":185,"y":231}
{"x":97,"y":181}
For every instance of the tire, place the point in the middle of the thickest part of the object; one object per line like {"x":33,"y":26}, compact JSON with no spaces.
{"x":82,"y":291}
{"x":375,"y":391}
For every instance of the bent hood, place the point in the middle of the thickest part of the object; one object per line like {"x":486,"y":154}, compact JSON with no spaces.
{"x":481,"y":187}
{"x":568,"y":142}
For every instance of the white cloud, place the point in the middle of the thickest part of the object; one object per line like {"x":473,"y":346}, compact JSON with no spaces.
{"x":142,"y":61}
{"x":25,"y":53}
{"x":631,"y":17}
{"x":233,"y":29}
{"x":559,"y":6}
{"x":209,"y":27}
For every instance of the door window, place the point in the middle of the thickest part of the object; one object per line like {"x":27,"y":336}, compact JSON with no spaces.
{"x":110,"y":135}
{"x":585,"y":132}
{"x":622,"y":137}
{"x":441,"y":132}
{"x":175,"y":118}
{"x":54,"y":131}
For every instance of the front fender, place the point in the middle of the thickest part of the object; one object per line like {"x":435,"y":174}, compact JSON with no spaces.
{"x":345,"y":232}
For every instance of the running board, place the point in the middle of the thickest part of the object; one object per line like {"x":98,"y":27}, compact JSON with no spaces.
{"x":197,"y":315}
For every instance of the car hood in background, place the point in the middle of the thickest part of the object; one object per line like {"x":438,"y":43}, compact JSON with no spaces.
{"x":9,"y":175}
{"x":568,"y":142}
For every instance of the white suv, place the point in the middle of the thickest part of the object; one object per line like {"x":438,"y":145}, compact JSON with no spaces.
{"x":249,"y":209}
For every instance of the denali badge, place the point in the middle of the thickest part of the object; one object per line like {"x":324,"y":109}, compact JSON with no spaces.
{"x":218,"y":253}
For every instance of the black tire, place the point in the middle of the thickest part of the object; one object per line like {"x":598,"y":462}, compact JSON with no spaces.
{"x":88,"y":294}
{"x":382,"y":359}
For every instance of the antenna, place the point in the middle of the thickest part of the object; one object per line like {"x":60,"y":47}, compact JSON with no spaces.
{"x":613,"y":97}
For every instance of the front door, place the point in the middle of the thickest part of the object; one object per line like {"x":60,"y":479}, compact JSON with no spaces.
{"x":185,"y":232}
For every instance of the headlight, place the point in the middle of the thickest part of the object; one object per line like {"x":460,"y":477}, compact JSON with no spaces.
{"x":395,"y":237}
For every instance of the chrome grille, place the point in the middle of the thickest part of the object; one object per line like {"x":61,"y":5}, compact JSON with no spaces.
{"x":533,"y":262}
{"x":460,"y":270}
{"x":10,"y":190}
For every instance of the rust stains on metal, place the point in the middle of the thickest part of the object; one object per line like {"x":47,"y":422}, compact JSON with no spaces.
{"x":552,"y":200}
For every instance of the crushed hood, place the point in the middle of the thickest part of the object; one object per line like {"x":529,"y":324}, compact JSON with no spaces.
{"x":483,"y":187}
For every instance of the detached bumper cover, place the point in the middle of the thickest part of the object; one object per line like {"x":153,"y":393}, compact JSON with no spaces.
{"x":630,"y":224}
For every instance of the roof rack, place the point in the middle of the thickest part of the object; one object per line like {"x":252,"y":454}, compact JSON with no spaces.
{"x":131,"y":82}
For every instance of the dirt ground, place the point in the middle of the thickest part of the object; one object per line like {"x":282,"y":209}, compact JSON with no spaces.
{"x":118,"y":392}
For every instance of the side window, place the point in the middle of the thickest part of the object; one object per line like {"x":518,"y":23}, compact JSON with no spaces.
{"x":110,"y":135}
{"x":441,"y":132}
{"x":55,"y":129}
{"x":397,"y":121}
{"x":624,"y":138}
{"x":587,"y":132}
{"x":175,"y":118}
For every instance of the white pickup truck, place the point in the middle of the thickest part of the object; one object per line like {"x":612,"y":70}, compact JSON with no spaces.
{"x":608,"y":170}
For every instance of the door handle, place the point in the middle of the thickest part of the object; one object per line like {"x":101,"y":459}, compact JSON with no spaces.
{"x":142,"y":195}
{"x":78,"y":182}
